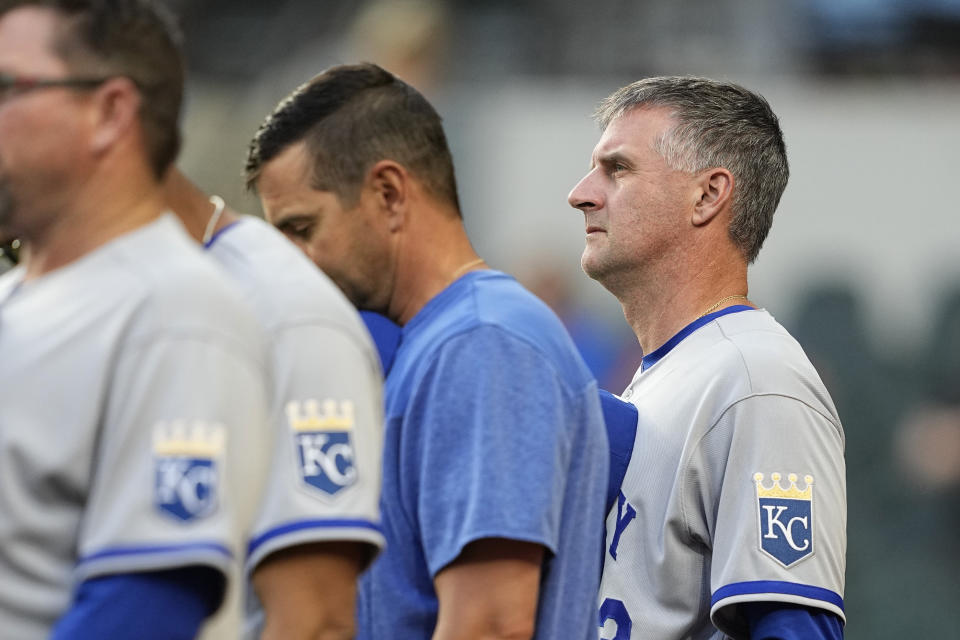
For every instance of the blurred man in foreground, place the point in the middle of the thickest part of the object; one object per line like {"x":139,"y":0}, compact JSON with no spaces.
{"x":131,"y":373}
{"x":718,"y":526}
{"x":495,"y":459}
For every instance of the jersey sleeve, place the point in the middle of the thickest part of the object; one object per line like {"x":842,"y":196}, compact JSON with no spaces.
{"x":324,"y":482}
{"x":490,"y":445}
{"x":774,"y":466}
{"x":180,"y":457}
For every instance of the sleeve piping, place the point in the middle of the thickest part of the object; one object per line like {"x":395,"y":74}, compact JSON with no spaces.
{"x":301,"y":525}
{"x":125,"y":559}
{"x":777,"y":591}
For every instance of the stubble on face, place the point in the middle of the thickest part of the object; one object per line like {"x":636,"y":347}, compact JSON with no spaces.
{"x":41,"y":133}
{"x":640,"y":210}
{"x":343,"y":242}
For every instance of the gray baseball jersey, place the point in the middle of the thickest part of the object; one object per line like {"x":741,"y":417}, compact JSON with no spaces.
{"x":327,"y":414}
{"x":735,"y":491}
{"x":132,"y":405}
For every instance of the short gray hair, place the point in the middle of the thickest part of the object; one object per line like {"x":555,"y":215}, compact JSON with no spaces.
{"x":717,"y":124}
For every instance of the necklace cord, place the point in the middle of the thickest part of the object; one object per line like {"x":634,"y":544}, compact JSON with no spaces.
{"x":218,"y":206}
{"x":463,"y":268}
{"x":716,"y":305}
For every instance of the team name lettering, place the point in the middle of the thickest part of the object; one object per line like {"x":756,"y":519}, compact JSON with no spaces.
{"x":625,"y":515}
{"x":329,"y":460}
{"x":187,"y":487}
{"x":773,"y":520}
{"x":785,"y":514}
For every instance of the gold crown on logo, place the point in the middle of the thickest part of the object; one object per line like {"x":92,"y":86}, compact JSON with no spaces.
{"x":777,"y":491}
{"x":198,"y":439}
{"x":313,"y":418}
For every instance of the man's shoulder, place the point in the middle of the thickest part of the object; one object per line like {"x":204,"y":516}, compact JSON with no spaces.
{"x":495,"y":304}
{"x":503,"y":303}
{"x":758,"y":357}
{"x":770,"y":355}
{"x":282,"y":285}
{"x":181,"y":291}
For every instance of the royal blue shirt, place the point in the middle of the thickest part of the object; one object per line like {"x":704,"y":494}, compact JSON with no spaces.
{"x":494,"y":430}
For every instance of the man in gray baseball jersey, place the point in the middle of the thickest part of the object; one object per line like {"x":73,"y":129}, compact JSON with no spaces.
{"x":731,"y":514}
{"x":318,"y":525}
{"x":132,"y":375}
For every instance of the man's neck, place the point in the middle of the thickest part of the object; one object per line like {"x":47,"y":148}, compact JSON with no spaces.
{"x":92,"y":218}
{"x":434,"y":252}
{"x":658,"y":308}
{"x":194,"y":207}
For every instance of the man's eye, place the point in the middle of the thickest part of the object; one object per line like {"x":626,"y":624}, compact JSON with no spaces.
{"x":300,"y":231}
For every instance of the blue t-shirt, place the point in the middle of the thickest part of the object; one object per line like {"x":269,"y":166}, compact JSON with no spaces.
{"x":494,"y":429}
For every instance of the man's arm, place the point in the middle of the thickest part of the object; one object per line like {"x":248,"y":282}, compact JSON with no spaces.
{"x":308,"y":591}
{"x":490,"y":591}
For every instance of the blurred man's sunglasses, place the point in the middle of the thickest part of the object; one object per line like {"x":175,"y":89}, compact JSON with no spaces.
{"x":12,"y":85}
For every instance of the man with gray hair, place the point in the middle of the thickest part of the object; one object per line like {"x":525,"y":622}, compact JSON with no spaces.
{"x":731,"y":514}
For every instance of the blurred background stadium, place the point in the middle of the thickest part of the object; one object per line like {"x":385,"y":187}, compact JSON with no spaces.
{"x":862,"y":265}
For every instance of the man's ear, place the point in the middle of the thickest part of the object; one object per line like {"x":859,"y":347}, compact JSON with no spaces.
{"x":390,"y":184}
{"x":714,"y":194}
{"x":116,"y":107}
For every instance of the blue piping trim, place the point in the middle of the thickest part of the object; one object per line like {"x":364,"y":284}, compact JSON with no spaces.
{"x":655,"y":356}
{"x":147,"y":550}
{"x":309,"y":524}
{"x":213,"y":238}
{"x":777,"y":586}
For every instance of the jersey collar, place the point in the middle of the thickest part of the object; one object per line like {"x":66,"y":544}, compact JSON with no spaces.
{"x":215,"y":236}
{"x":656,"y":355}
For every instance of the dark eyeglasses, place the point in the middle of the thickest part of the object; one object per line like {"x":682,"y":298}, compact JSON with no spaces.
{"x":11,"y":85}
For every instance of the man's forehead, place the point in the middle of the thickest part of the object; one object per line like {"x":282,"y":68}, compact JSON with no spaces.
{"x":630,"y":129}
{"x":615,"y":140}
{"x":27,"y":35}
{"x":290,"y":165}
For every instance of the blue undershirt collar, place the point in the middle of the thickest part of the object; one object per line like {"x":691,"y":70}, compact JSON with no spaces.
{"x":656,"y":355}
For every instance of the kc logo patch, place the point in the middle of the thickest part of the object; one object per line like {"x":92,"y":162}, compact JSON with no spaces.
{"x":785,"y":518}
{"x":324,"y":443}
{"x":186,"y":468}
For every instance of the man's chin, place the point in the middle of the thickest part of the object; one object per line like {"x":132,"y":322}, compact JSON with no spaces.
{"x":591,"y":266}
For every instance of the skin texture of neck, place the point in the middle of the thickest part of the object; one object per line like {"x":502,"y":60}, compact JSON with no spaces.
{"x":192,"y":205}
{"x":662,"y":303}
{"x":96,"y":213}
{"x":430,"y":249}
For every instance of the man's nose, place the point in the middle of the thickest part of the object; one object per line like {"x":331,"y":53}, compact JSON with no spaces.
{"x":584,"y":196}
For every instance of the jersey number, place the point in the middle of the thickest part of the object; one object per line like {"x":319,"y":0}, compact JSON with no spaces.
{"x":615,"y":610}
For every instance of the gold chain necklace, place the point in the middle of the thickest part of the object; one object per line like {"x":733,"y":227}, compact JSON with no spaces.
{"x":463,"y":269}
{"x":719,"y":302}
